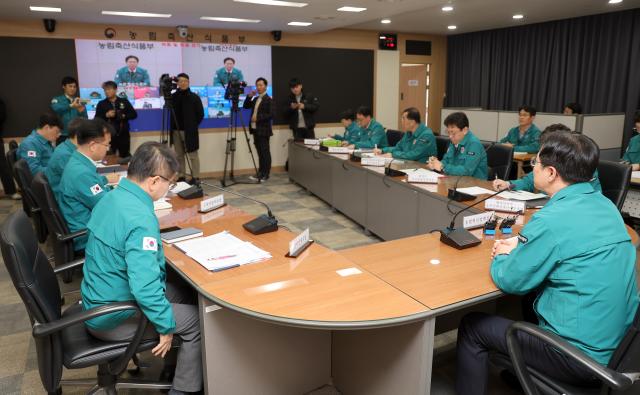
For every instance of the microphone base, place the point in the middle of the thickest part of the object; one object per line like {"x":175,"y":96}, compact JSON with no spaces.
{"x":459,"y":196}
{"x":393,"y":172}
{"x":192,"y":192}
{"x":458,"y":238}
{"x":261,"y":224}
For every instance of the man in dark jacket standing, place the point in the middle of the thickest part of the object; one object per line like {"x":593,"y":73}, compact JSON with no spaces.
{"x":5,"y":171}
{"x":302,"y":107}
{"x":262,"y":109}
{"x":117,"y":111}
{"x":188,"y":115}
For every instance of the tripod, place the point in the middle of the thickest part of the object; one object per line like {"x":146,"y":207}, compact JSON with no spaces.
{"x":230,"y":150}
{"x":169,"y":113}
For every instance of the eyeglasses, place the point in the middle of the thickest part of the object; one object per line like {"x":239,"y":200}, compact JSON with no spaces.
{"x":103,"y":144}
{"x":534,"y":161}
{"x":172,"y":184}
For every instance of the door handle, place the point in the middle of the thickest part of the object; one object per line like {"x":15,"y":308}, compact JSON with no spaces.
{"x":401,"y":96}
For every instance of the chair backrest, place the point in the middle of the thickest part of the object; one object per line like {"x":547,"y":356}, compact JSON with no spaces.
{"x":614,"y":179}
{"x":54,"y":219}
{"x":24,"y":178}
{"x":37,"y":285}
{"x":393,"y":136}
{"x":626,"y":357}
{"x":499,"y":160}
{"x":442,"y":143}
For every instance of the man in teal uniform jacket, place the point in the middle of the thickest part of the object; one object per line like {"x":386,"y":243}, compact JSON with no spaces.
{"x":131,"y":74}
{"x":62,"y":154}
{"x":125,"y":262}
{"x":227,"y":73}
{"x":526,"y":136}
{"x":632,"y":154}
{"x":466,"y":155}
{"x":37,"y":147}
{"x":568,"y":252}
{"x":81,"y":187}
{"x":372,"y":133}
{"x":418,"y":142}
{"x":351,"y":129}
{"x":68,"y":106}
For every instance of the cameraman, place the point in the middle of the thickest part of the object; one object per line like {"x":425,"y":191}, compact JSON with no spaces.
{"x":262,"y":109}
{"x":302,"y":106}
{"x":117,"y":111}
{"x":188,"y":115}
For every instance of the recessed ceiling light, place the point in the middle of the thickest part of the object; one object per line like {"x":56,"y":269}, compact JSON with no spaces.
{"x":352,"y":9}
{"x":299,"y":23}
{"x":223,"y":19}
{"x":452,"y":27}
{"x":273,"y":2}
{"x":45,"y":9}
{"x":447,"y":8}
{"x":615,"y":1}
{"x":385,"y":21}
{"x":518,"y":16}
{"x":136,"y":14}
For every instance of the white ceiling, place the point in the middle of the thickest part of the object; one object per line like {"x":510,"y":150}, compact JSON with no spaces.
{"x":416,"y":16}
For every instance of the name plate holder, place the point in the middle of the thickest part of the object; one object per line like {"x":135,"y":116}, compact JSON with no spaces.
{"x":311,"y":142}
{"x":299,"y":244}
{"x":375,"y":161}
{"x":477,"y":220}
{"x":509,"y":206}
{"x":418,"y":177}
{"x":339,"y":150}
{"x":211,"y":204}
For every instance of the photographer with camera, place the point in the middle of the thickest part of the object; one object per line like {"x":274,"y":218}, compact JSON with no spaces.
{"x":117,"y":111}
{"x":184,"y":126}
{"x":302,"y":107}
{"x":262,"y":109}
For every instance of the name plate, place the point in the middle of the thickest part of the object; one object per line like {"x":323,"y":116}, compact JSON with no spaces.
{"x":340,"y":150}
{"x":421,"y":177}
{"x":212,"y":203}
{"x":509,"y":206}
{"x":375,"y":161}
{"x":311,"y":142}
{"x":299,"y":243}
{"x":476,"y":221}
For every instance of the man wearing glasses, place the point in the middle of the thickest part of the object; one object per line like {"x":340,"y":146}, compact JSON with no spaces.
{"x":466,"y":155}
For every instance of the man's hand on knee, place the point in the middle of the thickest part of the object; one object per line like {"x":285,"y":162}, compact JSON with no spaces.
{"x":163,"y":346}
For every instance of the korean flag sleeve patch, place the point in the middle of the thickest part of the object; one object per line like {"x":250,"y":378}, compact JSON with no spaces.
{"x":149,"y":244}
{"x":96,"y":189}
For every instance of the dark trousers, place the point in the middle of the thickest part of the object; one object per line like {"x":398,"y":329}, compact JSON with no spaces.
{"x":121,"y":143}
{"x":264,"y":155}
{"x":5,"y":173}
{"x":304,"y":133}
{"x":480,"y":333}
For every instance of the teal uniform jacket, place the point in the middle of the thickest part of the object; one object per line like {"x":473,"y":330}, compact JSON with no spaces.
{"x":373,"y":135}
{"x":577,"y":253}
{"x":80,"y":189}
{"x":37,"y":151}
{"x":529,"y":142}
{"x":124,"y":260}
{"x":61,"y":106}
{"x":140,"y":77}
{"x":632,"y":154}
{"x":57,"y":163}
{"x":351,"y":133}
{"x":467,"y":159}
{"x":221,"y":78}
{"x":418,"y":146}
{"x":526,"y":183}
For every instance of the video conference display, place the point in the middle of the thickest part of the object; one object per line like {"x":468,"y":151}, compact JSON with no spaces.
{"x":137,"y":66}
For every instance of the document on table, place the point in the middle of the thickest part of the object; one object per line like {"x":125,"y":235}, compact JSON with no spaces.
{"x":161,"y":204}
{"x":522,"y":195}
{"x":222,"y":251}
{"x":475,"y":191}
{"x":635,"y":174}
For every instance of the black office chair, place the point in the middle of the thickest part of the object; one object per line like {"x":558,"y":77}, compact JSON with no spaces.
{"x":61,"y":338}
{"x":62,"y":238}
{"x":12,"y":157}
{"x":499,"y":160}
{"x":442,"y":143}
{"x":614,"y":179}
{"x":393,"y":137}
{"x":24,"y":178}
{"x":620,"y":377}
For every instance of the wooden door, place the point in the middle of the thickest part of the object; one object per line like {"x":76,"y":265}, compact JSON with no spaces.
{"x":413,"y":89}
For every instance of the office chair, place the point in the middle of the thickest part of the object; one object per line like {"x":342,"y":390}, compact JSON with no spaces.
{"x":12,"y":157}
{"x":499,"y":160}
{"x":24,"y":179}
{"x":60,"y":337}
{"x":62,"y":238}
{"x":393,"y":137}
{"x":619,"y":377}
{"x":442,"y":143}
{"x":614,"y":179}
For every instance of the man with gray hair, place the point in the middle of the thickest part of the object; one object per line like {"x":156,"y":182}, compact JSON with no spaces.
{"x":125,"y":262}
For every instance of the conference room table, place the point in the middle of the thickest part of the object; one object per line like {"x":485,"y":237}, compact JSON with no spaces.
{"x":362,"y":319}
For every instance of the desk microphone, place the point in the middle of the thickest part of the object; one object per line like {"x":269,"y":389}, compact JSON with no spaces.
{"x":388,"y":171}
{"x":261,"y":224}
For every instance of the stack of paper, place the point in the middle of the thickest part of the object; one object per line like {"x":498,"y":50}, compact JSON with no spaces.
{"x":522,"y":195}
{"x":635,"y":174}
{"x":475,"y":191}
{"x":222,"y":251}
{"x":161,"y":204}
{"x":180,"y":186}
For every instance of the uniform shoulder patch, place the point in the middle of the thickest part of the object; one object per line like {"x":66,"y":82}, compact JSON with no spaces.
{"x":149,"y":244}
{"x":32,"y":154}
{"x":522,"y":239}
{"x":96,"y":189}
{"x":54,"y":101}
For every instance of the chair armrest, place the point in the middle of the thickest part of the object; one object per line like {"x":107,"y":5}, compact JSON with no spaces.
{"x":35,"y":210}
{"x":71,"y":236}
{"x":40,"y":330}
{"x":610,"y":377}
{"x":68,"y":265}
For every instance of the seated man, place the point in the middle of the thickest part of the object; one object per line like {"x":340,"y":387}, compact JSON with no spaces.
{"x":125,"y":262}
{"x":37,"y":147}
{"x":526,"y":136}
{"x":418,"y":142}
{"x":81,"y":187}
{"x":351,"y":129}
{"x":526,"y":183}
{"x":61,"y":155}
{"x":466,"y":155}
{"x":567,"y":251}
{"x":373,"y":134}
{"x":632,"y":154}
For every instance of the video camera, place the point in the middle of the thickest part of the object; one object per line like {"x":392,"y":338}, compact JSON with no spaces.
{"x":234,"y":88}
{"x":167,"y":84}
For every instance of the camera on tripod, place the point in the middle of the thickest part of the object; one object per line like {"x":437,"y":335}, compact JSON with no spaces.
{"x":167,"y":84}
{"x":234,"y":88}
